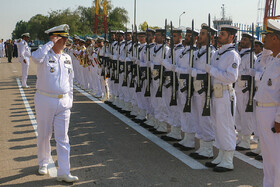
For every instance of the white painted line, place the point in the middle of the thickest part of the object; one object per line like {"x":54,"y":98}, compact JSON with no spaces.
{"x":51,"y":167}
{"x":164,"y":145}
{"x":248,"y":160}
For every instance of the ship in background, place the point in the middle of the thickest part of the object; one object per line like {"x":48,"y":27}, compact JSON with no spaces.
{"x":223,"y":21}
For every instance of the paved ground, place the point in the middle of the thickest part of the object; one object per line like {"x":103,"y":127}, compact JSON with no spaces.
{"x":105,"y":151}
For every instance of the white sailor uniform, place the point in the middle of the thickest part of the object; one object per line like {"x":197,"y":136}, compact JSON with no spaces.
{"x":53,"y":101}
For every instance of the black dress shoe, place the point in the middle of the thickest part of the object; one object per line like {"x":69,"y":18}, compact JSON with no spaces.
{"x":144,"y":125}
{"x":259,"y":157}
{"x":152,"y":129}
{"x":221,"y":169}
{"x":158,"y":132}
{"x":183,"y":148}
{"x":193,"y":155}
{"x":210,"y":165}
{"x":238,"y":148}
{"x":177,"y":144}
{"x":167,"y":138}
{"x":201,"y":157}
{"x":251,"y":154}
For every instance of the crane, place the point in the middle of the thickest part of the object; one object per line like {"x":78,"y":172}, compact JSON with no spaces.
{"x":269,"y":12}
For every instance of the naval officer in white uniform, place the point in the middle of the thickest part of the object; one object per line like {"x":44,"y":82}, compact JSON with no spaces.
{"x":53,"y":101}
{"x":24,"y":52}
{"x":268,"y":106}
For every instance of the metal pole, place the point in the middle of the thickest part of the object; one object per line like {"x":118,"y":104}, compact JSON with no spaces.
{"x":180,"y":18}
{"x":134,"y":13}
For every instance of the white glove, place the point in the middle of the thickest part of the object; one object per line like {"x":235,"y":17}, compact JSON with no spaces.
{"x":148,"y":64}
{"x":189,"y":71}
{"x":252,"y":72}
{"x":173,"y":67}
{"x":207,"y":68}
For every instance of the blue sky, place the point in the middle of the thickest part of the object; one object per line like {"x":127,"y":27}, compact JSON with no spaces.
{"x":152,"y":11}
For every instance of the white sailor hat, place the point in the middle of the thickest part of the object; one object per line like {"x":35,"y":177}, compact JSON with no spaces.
{"x":229,"y":28}
{"x":163,"y":31}
{"x":167,"y":38}
{"x":212,"y":30}
{"x":120,"y":32}
{"x":99,"y":39}
{"x":189,"y":30}
{"x":247,"y":34}
{"x":272,"y":27}
{"x":128,"y":31}
{"x":76,"y":37}
{"x":89,"y":38}
{"x":61,"y":30}
{"x":141,"y":33}
{"x":26,"y":34}
{"x":258,"y":42}
{"x":150,"y":30}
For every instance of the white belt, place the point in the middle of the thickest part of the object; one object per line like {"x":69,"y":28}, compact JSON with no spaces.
{"x":227,"y":87}
{"x":267,"y":104}
{"x":52,"y":95}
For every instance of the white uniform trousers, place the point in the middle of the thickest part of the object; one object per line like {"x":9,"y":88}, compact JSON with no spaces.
{"x":269,"y":145}
{"x":157,"y":102}
{"x":225,"y":137}
{"x":204,"y":126}
{"x":243,"y":120}
{"x":53,"y":114}
{"x":187,"y":124}
{"x":125,"y":89}
{"x":25,"y":68}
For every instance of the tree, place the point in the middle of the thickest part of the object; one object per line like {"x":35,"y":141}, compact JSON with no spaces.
{"x":81,"y":22}
{"x":118,"y":18}
{"x":143,"y":26}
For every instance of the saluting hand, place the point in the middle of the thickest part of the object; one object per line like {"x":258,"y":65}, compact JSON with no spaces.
{"x":54,"y":38}
{"x":277,"y":127}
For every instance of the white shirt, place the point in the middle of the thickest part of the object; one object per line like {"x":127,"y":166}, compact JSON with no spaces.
{"x":224,"y":66}
{"x":24,"y":50}
{"x":177,"y":52}
{"x":269,"y":86}
{"x":54,"y":71}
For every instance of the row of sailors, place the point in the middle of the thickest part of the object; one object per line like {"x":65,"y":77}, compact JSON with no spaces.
{"x":228,"y":103}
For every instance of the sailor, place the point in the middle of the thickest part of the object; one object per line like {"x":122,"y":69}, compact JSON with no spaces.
{"x":118,"y":60}
{"x":259,"y":69}
{"x":53,"y":101}
{"x":243,"y":119}
{"x":173,"y":117}
{"x":224,"y":72}
{"x":268,"y":105}
{"x":141,"y":113}
{"x":158,"y":53}
{"x":127,"y":75}
{"x":145,"y":64}
{"x":24,"y":58}
{"x":203,"y":124}
{"x":110,"y":72}
{"x":186,"y":120}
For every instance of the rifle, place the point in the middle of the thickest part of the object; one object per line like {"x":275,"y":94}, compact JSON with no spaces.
{"x":148,"y":71}
{"x":250,"y":79}
{"x":104,"y":59}
{"x":138,"y":85}
{"x":131,"y":85}
{"x":161,"y":70}
{"x":188,"y":77}
{"x":125,"y":64}
{"x":108,"y":73}
{"x":118,"y":62}
{"x":206,"y":77}
{"x":173,"y":79}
